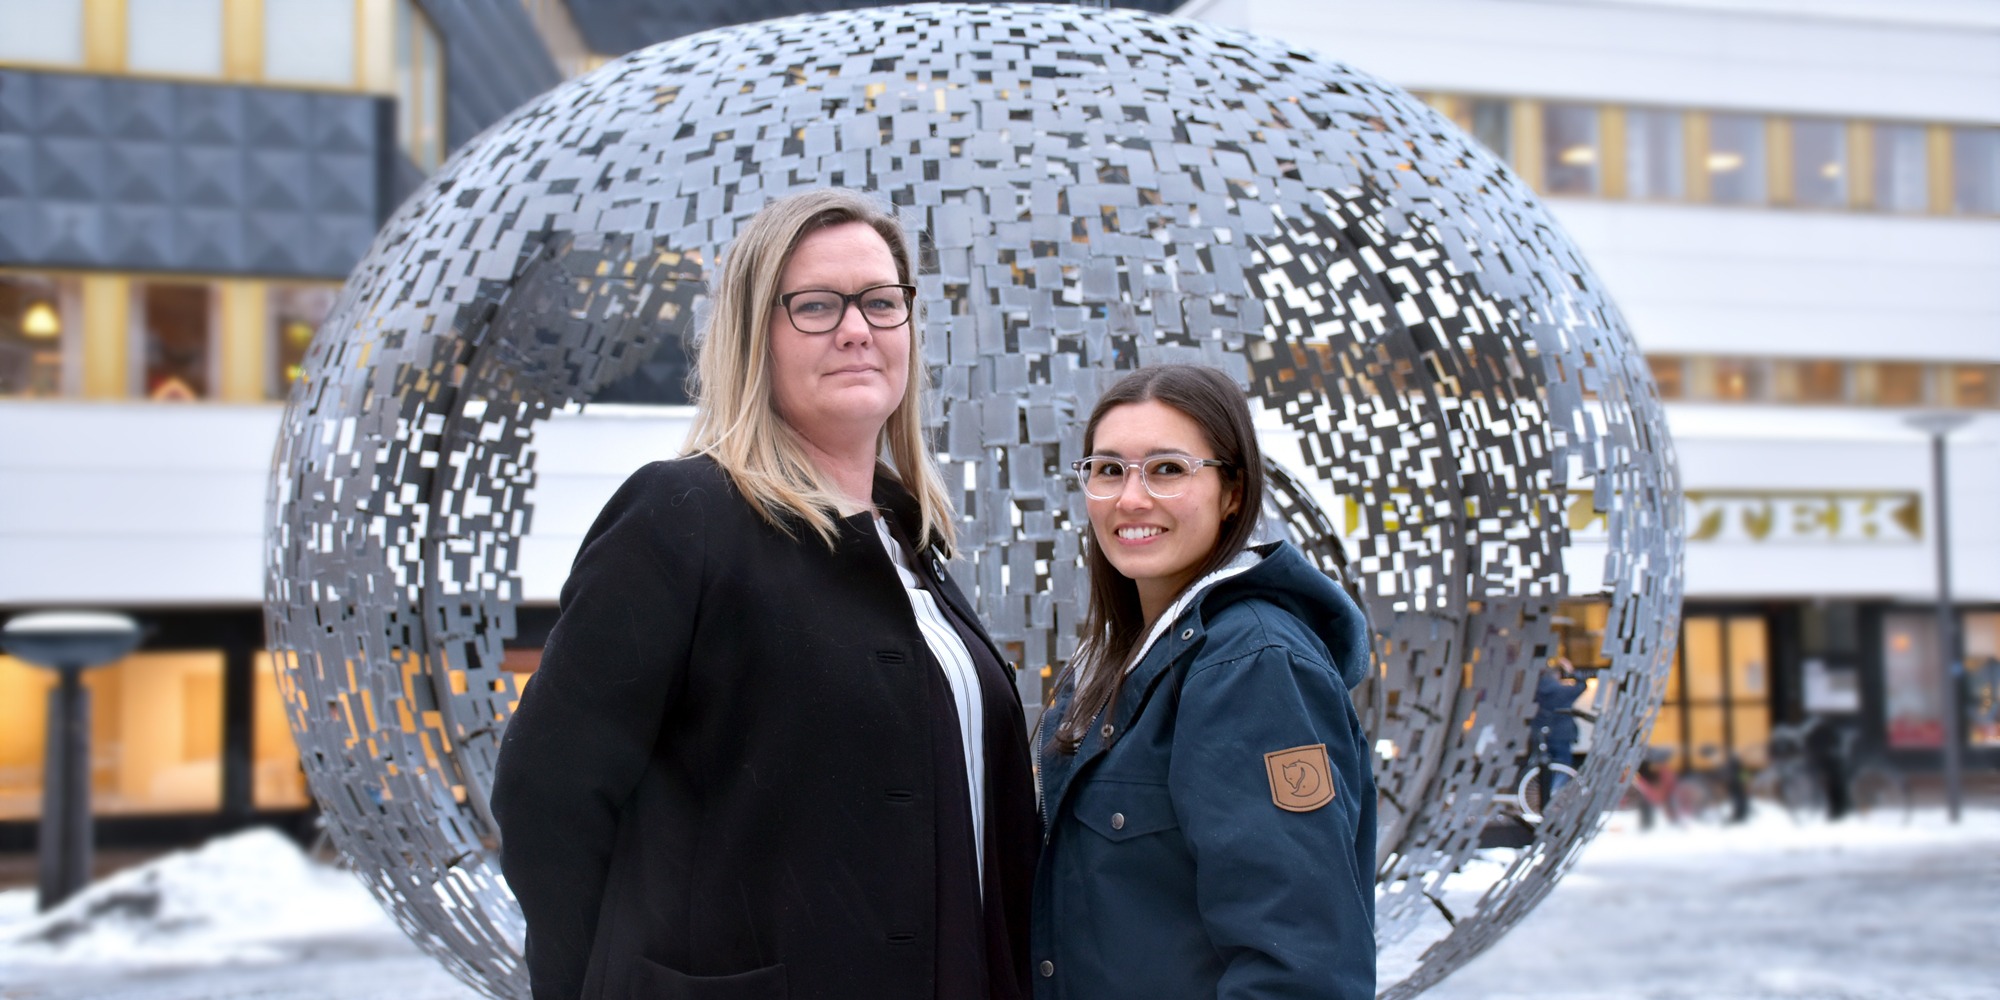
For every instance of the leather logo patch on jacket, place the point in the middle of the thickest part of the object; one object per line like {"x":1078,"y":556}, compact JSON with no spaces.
{"x":1300,"y":779}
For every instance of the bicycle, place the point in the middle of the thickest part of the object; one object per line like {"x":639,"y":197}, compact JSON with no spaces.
{"x":1863,"y":783}
{"x":1693,"y":795}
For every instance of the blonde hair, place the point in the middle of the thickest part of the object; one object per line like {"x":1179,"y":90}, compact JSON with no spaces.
{"x":736,"y":422}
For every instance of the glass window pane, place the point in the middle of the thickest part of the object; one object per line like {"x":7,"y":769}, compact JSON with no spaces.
{"x":1701,"y":649}
{"x":1749,"y":676}
{"x":1739,"y":380}
{"x":406,"y":76}
{"x":1750,"y":732}
{"x":1975,"y":169}
{"x":1655,"y":156}
{"x":1667,"y":732}
{"x":42,"y":31}
{"x":1819,"y":162}
{"x":276,"y":780}
{"x":1899,"y":384}
{"x":1736,"y":159}
{"x":1569,"y":148}
{"x":156,"y":733}
{"x":1706,"y":736}
{"x":23,"y":719}
{"x":309,"y":41}
{"x":1975,"y":385}
{"x":1981,"y":630}
{"x":1902,"y":174}
{"x":1810,"y":381}
{"x":430,"y":126}
{"x":177,"y":37}
{"x":38,"y":319}
{"x":1493,"y":126}
{"x":296,"y":313}
{"x":1669,"y":374}
{"x":175,"y":341}
{"x":1911,"y":680}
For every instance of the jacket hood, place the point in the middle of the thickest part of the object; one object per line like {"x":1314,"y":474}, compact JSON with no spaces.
{"x":1283,"y":576}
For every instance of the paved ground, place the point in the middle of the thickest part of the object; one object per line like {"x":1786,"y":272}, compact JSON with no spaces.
{"x":1856,"y":912}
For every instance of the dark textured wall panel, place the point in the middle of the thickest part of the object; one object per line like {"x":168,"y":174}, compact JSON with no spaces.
{"x":615,"y":27}
{"x":493,"y":61}
{"x":106,"y":172}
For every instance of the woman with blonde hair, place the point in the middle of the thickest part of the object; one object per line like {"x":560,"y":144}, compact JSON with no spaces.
{"x":770,"y":751}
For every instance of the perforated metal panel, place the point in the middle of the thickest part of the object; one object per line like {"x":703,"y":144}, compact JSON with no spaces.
{"x":1096,"y":190}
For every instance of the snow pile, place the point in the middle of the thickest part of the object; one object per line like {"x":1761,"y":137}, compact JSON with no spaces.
{"x":241,"y":898}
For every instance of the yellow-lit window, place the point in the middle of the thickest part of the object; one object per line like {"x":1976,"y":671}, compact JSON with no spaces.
{"x":1819,"y":162}
{"x":296,"y":314}
{"x":1975,"y":385}
{"x":44,"y":32}
{"x":1810,"y":381}
{"x":1570,"y":151}
{"x":1900,"y":384}
{"x":38,"y":319}
{"x":1735,"y":160}
{"x":276,"y":780}
{"x":1670,"y":374}
{"x":1738,"y":380}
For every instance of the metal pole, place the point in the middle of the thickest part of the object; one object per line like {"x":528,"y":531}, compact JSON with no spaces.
{"x":66,"y":827}
{"x":1954,"y":777}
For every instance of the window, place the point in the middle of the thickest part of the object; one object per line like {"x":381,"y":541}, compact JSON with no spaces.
{"x":1493,"y":126}
{"x":1655,"y":154}
{"x":296,"y":313}
{"x":174,"y":37}
{"x":419,"y":87}
{"x":176,"y":338}
{"x":1810,"y":381}
{"x":37,"y":325}
{"x":1569,"y":149}
{"x":1670,"y":374}
{"x":1975,"y":173}
{"x":1900,"y":384}
{"x":1975,"y":385}
{"x":1912,"y":679}
{"x":1730,"y":380}
{"x":276,"y":780}
{"x":309,"y":41}
{"x":155,"y":734}
{"x":1735,"y":160}
{"x":1902,"y":177}
{"x":1819,"y":162}
{"x":45,"y":31}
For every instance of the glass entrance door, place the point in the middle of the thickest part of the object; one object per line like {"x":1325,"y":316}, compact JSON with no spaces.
{"x":1719,"y":695}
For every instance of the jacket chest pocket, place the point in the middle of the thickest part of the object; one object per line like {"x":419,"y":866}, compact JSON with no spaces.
{"x":1123,"y":810}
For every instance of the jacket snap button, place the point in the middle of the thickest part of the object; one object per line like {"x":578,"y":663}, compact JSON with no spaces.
{"x":1188,"y":634}
{"x":1118,"y":821}
{"x":1048,"y":969}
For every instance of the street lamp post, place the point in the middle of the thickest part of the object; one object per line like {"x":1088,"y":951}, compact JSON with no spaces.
{"x":1938,"y":425}
{"x":68,"y":642}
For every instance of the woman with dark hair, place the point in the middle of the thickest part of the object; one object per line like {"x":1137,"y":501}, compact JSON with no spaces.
{"x":1208,"y":803}
{"x":770,"y":752}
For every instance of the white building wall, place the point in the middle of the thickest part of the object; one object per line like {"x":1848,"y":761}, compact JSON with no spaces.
{"x":1893,"y":58}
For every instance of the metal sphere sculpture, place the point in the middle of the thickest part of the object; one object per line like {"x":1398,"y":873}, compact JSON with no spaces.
{"x":1095,"y":190}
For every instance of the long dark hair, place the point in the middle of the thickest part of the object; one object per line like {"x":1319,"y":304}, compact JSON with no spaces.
{"x":1114,"y":624}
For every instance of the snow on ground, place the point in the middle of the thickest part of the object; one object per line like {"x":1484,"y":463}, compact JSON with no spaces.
{"x":241,"y":898}
{"x":1766,"y":910}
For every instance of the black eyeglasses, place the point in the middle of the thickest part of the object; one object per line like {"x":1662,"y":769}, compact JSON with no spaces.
{"x":1163,"y":476}
{"x":820,"y":310}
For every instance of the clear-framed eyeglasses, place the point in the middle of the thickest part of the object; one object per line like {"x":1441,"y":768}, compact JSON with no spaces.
{"x":820,"y":310}
{"x":1164,"y":476}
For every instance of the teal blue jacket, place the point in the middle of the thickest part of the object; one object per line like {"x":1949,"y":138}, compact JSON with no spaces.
{"x":1223,"y":844}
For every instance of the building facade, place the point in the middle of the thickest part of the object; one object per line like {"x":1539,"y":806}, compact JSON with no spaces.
{"x":1798,"y":210}
{"x":1797,"y":205}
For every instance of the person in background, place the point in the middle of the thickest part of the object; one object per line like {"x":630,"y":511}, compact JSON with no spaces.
{"x":1556,"y":690}
{"x":1206,"y":784}
{"x":770,"y":751}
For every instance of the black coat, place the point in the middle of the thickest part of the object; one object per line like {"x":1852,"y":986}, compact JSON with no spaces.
{"x":719,"y":783}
